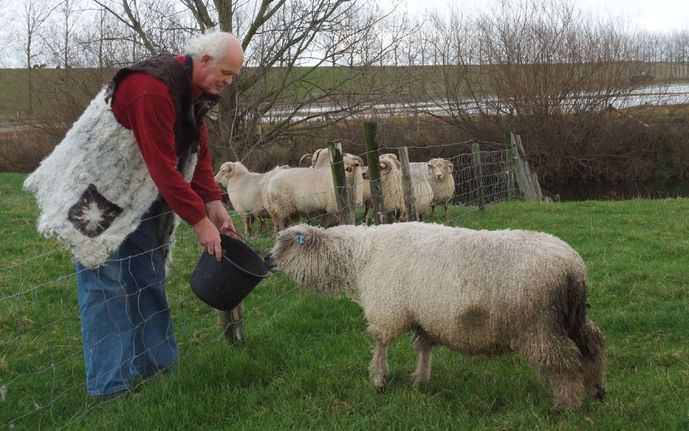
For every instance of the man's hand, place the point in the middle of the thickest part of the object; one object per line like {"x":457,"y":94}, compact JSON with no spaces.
{"x":220,"y":218}
{"x":209,"y":237}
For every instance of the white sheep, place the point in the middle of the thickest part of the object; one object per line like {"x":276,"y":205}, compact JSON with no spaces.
{"x":475,"y":292}
{"x":246,"y":191}
{"x":308,"y":191}
{"x":438,"y":172}
{"x":393,"y":194}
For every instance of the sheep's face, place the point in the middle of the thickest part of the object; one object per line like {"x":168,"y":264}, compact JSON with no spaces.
{"x":309,"y":256}
{"x":352,"y":165}
{"x":224,"y":173}
{"x":438,"y":169}
{"x":291,"y":244}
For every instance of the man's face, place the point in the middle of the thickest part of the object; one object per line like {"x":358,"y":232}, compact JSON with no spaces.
{"x":214,"y":76}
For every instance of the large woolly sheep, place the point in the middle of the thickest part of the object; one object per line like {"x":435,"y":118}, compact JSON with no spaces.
{"x":246,"y":191}
{"x":438,"y":172}
{"x":475,"y":292}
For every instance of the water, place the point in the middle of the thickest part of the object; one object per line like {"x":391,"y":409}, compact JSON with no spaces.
{"x":657,"y":95}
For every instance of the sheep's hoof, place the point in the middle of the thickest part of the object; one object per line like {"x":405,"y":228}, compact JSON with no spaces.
{"x":380,"y":389}
{"x":379,"y":383}
{"x":600,"y":394}
{"x":419,"y":385}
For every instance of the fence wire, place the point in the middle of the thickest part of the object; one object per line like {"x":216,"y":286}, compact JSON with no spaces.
{"x":41,"y":358}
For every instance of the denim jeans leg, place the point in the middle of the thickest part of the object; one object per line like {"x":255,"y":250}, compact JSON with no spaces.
{"x":126,"y":322}
{"x":107,"y":329}
{"x":155,"y":343}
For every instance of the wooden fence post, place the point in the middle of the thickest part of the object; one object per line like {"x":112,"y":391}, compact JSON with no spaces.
{"x":344,"y":209}
{"x":523,"y":181}
{"x":232,"y":322}
{"x":407,"y":186}
{"x":510,"y":177}
{"x":534,"y":187}
{"x":478,"y":172}
{"x":374,"y":171}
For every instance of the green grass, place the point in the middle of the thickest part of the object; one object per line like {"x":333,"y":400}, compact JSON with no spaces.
{"x":304,"y":363}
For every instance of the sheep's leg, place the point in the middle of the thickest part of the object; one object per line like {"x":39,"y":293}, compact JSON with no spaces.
{"x":424,"y":348}
{"x":247,"y":218}
{"x":378,"y":370}
{"x":591,"y":345}
{"x":263,"y":228}
{"x":278,"y":222}
{"x":559,"y":359}
{"x":447,"y":216}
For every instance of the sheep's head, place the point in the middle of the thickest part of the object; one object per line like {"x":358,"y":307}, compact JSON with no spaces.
{"x":289,"y":243}
{"x":351,"y":164}
{"x":224,"y":173}
{"x":387,"y":166}
{"x":321,"y":157}
{"x":309,"y":256}
{"x":438,"y":169}
{"x":390,"y":156}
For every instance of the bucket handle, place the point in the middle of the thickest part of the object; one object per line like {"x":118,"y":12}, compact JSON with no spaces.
{"x":241,"y":238}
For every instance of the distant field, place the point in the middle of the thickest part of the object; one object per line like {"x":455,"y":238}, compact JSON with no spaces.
{"x":407,"y":81}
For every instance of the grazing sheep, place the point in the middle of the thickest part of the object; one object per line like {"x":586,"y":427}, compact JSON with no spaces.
{"x":475,"y":292}
{"x":438,"y":172}
{"x":246,"y":191}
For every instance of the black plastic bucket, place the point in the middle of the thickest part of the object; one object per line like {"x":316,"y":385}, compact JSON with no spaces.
{"x":224,"y":284}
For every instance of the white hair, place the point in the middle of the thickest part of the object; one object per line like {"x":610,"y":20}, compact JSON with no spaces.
{"x":214,"y":43}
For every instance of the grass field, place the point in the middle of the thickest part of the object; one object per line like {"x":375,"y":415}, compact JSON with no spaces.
{"x":304,"y":363}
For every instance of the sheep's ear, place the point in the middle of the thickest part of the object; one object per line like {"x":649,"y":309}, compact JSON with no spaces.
{"x":384,"y":165}
{"x":303,"y":236}
{"x":450,"y":166}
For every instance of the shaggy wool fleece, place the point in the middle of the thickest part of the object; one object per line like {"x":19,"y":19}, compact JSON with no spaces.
{"x":476,"y":292}
{"x":96,"y":151}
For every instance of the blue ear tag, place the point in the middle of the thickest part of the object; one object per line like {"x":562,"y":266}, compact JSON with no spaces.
{"x":300,"y":239}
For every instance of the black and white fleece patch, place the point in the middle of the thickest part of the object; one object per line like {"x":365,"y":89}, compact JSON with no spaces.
{"x":93,"y":213}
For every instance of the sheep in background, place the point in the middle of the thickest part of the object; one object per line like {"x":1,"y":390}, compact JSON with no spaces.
{"x":391,"y":183}
{"x":308,"y":191}
{"x":438,"y":172}
{"x":475,"y":292}
{"x":246,"y":191}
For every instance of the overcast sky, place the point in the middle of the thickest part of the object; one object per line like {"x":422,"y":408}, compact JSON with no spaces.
{"x":652,"y":15}
{"x":664,"y":16}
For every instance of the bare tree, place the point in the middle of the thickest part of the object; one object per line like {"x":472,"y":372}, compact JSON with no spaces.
{"x":35,"y":14}
{"x":286,"y":85}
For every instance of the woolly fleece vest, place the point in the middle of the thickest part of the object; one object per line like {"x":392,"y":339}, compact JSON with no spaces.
{"x":94,"y":188}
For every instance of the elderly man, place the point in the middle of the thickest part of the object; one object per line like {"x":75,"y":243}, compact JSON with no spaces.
{"x":110,"y":190}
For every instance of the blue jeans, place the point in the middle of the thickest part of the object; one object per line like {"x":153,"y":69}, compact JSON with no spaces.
{"x":126,"y":325}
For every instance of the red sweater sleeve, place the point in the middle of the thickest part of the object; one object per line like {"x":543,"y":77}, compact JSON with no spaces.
{"x":203,"y":181}
{"x":144,"y":105}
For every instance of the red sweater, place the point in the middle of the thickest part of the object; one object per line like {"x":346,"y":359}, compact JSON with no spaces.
{"x":144,"y":105}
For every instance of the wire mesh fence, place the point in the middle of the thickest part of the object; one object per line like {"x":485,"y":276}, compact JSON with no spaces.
{"x":41,"y":356}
